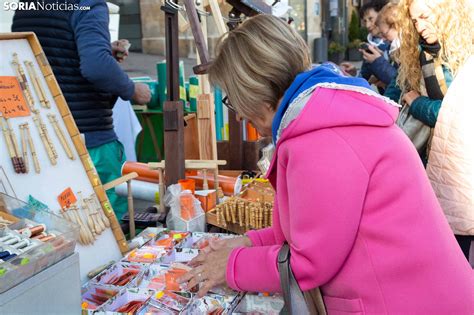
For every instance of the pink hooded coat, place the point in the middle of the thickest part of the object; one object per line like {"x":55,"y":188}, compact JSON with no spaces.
{"x":355,"y":204}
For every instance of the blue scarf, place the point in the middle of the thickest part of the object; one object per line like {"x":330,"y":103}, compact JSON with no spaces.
{"x":325,"y":73}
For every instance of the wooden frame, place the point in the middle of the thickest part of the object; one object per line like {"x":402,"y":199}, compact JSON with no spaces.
{"x":72,"y":131}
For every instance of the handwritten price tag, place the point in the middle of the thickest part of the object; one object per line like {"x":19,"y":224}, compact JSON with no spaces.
{"x":12,"y":102}
{"x":67,"y":198}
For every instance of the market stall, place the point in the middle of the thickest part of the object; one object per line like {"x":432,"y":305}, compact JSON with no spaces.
{"x":144,"y":281}
{"x":57,"y":223}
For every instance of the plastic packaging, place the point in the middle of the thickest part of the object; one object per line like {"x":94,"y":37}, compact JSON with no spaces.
{"x":186,"y":213}
{"x":32,"y":256}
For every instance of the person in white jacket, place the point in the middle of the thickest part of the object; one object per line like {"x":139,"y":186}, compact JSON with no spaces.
{"x":451,"y":162}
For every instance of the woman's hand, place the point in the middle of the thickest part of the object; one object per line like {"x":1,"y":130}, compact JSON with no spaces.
{"x":409,"y":97}
{"x":374,"y":54}
{"x":375,"y":81}
{"x":211,"y":264}
{"x":348,"y":68}
{"x":209,"y":269}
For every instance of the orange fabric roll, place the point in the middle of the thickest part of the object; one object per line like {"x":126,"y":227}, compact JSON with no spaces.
{"x":144,"y":173}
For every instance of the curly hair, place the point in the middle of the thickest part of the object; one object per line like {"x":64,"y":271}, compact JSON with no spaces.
{"x":388,"y":15}
{"x":454,"y":31}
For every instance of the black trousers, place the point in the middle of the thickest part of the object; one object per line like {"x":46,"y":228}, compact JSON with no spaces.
{"x":464,"y":242}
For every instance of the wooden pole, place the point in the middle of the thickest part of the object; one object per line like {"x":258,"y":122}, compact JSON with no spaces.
{"x":204,"y":127}
{"x":162,"y":190}
{"x":217,"y":15}
{"x":173,"y":109}
{"x":131,"y":210}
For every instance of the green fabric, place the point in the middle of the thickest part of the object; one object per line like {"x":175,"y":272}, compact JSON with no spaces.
{"x":108,"y":160}
{"x":144,"y":145}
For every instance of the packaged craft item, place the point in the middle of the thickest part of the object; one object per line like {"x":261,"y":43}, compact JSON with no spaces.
{"x":155,"y":277}
{"x":205,"y":305}
{"x":199,"y":240}
{"x":171,"y":300}
{"x":169,"y":239}
{"x":120,"y":274}
{"x":129,"y":301}
{"x":152,"y":309}
{"x":94,"y":297}
{"x":145,"y":254}
{"x":171,"y":277}
{"x":186,"y":213}
{"x":181,"y":255}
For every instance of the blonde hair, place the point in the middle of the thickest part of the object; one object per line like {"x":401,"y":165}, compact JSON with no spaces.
{"x":388,"y":15}
{"x":257,"y":62}
{"x":454,"y":32}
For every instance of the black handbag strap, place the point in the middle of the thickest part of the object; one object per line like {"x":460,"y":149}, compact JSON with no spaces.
{"x":283,"y":269}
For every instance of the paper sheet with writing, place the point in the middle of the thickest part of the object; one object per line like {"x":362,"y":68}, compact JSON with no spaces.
{"x":12,"y":102}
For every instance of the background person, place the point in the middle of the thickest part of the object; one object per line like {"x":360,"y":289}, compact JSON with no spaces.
{"x":376,"y":58}
{"x":436,"y":41}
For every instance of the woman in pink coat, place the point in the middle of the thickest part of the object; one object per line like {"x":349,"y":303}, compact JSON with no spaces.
{"x":352,"y":197}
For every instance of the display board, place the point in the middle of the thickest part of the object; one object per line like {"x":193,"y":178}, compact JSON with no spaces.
{"x":42,"y":153}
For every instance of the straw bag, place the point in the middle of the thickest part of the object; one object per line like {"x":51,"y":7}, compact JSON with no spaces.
{"x":297,"y":302}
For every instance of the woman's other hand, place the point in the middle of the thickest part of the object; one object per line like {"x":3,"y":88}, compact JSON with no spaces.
{"x":348,"y":68}
{"x":409,"y":97}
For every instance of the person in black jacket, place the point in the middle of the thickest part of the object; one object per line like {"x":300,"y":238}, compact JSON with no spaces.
{"x":77,"y":45}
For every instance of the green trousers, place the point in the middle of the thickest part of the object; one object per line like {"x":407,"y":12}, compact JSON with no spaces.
{"x":108,"y":160}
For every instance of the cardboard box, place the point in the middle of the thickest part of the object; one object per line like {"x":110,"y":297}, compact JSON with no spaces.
{"x":207,"y":199}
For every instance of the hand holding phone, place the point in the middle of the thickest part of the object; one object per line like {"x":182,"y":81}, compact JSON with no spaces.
{"x":365,"y":47}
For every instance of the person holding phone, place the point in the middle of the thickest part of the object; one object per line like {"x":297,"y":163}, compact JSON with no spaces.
{"x":376,"y":48}
{"x":385,"y":70}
